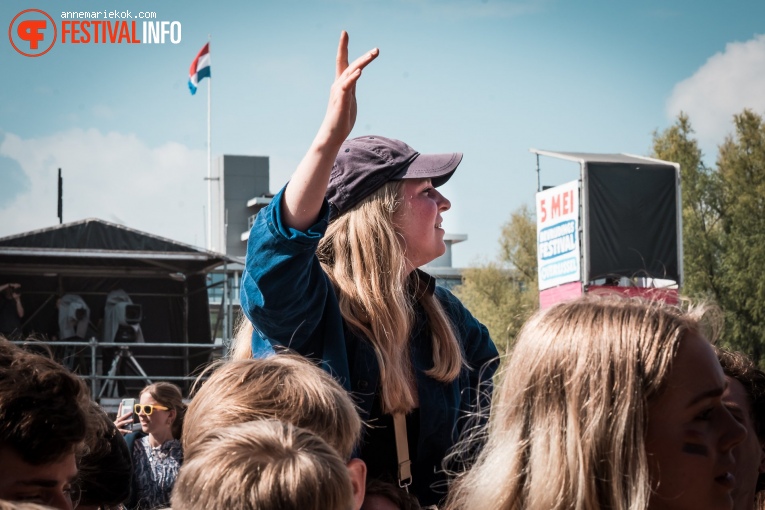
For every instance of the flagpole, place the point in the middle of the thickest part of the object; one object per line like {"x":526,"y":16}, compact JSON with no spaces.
{"x":209,"y":162}
{"x":221,"y":244}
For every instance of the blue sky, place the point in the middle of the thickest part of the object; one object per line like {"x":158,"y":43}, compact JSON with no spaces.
{"x":488,"y":78}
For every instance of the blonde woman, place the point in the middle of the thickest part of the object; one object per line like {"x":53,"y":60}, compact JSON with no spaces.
{"x":607,"y":403}
{"x":332,"y":272}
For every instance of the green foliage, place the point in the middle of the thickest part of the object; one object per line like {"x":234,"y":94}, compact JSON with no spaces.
{"x":724,"y":225}
{"x":518,"y":245}
{"x":700,"y":208}
{"x":741,"y":166}
{"x":503,"y":293}
{"x":723,"y":212}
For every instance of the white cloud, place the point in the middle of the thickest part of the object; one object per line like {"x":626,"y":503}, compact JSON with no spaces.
{"x":112,"y":176}
{"x":726,"y":84}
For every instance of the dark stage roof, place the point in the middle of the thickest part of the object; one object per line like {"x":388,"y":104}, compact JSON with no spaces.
{"x":95,"y":247}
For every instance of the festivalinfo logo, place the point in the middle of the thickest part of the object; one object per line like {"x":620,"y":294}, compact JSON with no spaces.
{"x":33,"y":32}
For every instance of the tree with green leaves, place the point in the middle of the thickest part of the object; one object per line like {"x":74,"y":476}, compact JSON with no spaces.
{"x":723,"y":212}
{"x":700,"y":209}
{"x":724,"y":225}
{"x":741,"y":168}
{"x":503,"y":293}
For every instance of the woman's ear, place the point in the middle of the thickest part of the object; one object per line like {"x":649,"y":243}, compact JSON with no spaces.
{"x":171,"y":416}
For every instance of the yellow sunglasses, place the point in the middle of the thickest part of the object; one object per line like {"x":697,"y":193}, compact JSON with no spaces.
{"x":148,"y":408}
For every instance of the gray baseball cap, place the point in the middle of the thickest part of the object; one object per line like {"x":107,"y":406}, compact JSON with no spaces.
{"x":366,"y":163}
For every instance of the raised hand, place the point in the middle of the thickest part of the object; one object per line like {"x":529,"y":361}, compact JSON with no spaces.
{"x":305,"y":192}
{"x":341,"y":110}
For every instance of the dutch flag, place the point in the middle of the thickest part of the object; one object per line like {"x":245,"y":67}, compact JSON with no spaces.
{"x":200,"y":68}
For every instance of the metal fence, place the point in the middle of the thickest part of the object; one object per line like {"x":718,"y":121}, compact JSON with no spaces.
{"x":105,"y":384}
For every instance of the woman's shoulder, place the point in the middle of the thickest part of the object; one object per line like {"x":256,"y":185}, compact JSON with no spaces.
{"x":135,"y":435}
{"x":132,"y":437}
{"x":269,"y":226}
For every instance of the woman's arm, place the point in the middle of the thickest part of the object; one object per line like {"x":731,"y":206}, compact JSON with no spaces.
{"x":305,"y":192}
{"x":283,"y":289}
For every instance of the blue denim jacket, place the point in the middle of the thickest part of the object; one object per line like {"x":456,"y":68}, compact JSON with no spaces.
{"x":291,"y":302}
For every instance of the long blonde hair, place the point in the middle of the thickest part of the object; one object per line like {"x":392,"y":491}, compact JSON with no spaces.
{"x":364,"y":256}
{"x":568,"y":424}
{"x":241,"y":347}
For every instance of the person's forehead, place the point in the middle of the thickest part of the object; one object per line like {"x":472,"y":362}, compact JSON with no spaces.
{"x":736,"y":393}
{"x":695,"y":369}
{"x":699,"y":352}
{"x":16,"y":471}
{"x":146,"y":398}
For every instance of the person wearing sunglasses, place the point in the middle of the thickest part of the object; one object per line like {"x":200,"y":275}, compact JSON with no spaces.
{"x":156,"y":449}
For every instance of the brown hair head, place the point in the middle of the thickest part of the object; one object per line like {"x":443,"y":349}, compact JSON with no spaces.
{"x":105,"y":470}
{"x":284,"y":387}
{"x":43,"y":407}
{"x":263,"y":465}
{"x":391,"y":493}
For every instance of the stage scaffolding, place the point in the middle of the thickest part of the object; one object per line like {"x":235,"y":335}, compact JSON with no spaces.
{"x":94,"y":375}
{"x":177,"y":286}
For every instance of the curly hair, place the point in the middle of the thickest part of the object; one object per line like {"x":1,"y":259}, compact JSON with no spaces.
{"x":44,"y":408}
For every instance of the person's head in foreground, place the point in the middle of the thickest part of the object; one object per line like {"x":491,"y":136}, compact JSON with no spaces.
{"x":105,"y":469}
{"x":263,"y":465}
{"x":607,"y":403}
{"x":283,"y":387}
{"x":382,"y":495}
{"x":745,"y":399}
{"x":43,"y":425}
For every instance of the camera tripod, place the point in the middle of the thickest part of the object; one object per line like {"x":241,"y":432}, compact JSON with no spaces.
{"x":110,"y":386}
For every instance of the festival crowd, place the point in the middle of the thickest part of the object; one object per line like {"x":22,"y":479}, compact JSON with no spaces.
{"x":356,"y":382}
